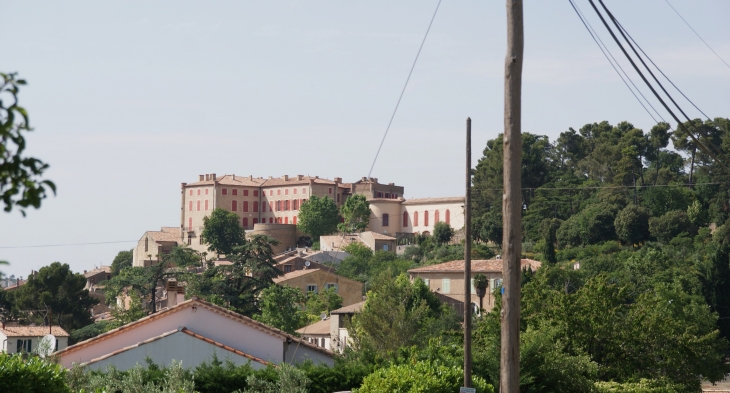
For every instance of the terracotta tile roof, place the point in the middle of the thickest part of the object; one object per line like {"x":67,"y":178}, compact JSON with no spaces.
{"x":100,"y":269}
{"x":293,"y":180}
{"x":167,"y":234}
{"x":477,"y":266}
{"x":340,"y":242}
{"x":380,"y":236}
{"x":194,"y":301}
{"x":396,"y":200}
{"x":32,"y":331}
{"x":17,"y":285}
{"x":317,"y":328}
{"x":170,"y":333}
{"x":351,"y":309}
{"x":294,"y":274}
{"x":419,"y":201}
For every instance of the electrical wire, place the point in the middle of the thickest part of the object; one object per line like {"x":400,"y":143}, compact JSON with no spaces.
{"x":69,"y":244}
{"x":696,"y":33}
{"x":404,"y":89}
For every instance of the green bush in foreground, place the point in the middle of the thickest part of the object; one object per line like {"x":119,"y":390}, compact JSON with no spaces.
{"x":32,"y":375}
{"x":643,"y":386}
{"x":419,"y":377}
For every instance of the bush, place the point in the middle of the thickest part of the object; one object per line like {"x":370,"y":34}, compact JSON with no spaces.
{"x":592,"y":225}
{"x":632,"y":224}
{"x":643,"y":386}
{"x":419,"y":377}
{"x":218,"y":376}
{"x":442,"y":232}
{"x":315,"y":246}
{"x":671,"y":224}
{"x":31,"y":375}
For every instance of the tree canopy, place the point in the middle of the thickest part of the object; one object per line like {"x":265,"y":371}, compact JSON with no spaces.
{"x":318,"y":217}
{"x":222,"y":231}
{"x":356,"y":214}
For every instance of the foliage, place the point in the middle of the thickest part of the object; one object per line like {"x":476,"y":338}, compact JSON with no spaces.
{"x":138,"y":379}
{"x":289,"y":380}
{"x":346,"y":374}
{"x":122,"y":260}
{"x":419,"y":377}
{"x":222,"y":231}
{"x":714,"y":277}
{"x":281,"y":308}
{"x":32,"y":375}
{"x":643,"y":386}
{"x":356,"y":214}
{"x":593,"y":224}
{"x":323,"y":302}
{"x":57,"y":289}
{"x":632,"y":224}
{"x":89,"y":331}
{"x":669,"y":225}
{"x":217,"y":376}
{"x":318,"y":217}
{"x":442,"y":232}
{"x":20,"y":176}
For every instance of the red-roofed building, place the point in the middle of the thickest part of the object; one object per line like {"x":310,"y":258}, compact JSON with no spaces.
{"x":16,"y":339}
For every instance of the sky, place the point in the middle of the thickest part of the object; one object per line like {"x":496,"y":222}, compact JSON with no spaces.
{"x":130,"y":99}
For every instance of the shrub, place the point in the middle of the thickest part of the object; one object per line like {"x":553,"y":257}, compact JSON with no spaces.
{"x":632,"y":224}
{"x":442,"y":232}
{"x":419,"y":377}
{"x":643,"y":386}
{"x":31,"y":375}
{"x":671,"y":224}
{"x":218,"y":376}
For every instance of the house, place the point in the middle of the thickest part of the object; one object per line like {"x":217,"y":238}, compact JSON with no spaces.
{"x":448,"y":278}
{"x":153,"y":245}
{"x":331,"y":257}
{"x":314,"y":280}
{"x":318,"y":333}
{"x":373,"y":240}
{"x":332,"y":333}
{"x":93,"y":278}
{"x":16,"y":339}
{"x":192,"y":332}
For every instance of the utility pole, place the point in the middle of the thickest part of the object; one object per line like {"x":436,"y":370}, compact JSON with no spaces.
{"x":467,"y":261}
{"x":509,"y":375}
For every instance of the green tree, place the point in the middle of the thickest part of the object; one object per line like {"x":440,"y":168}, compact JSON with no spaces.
{"x":281,"y":307}
{"x":31,"y":375}
{"x":714,"y":276}
{"x":632,"y":224}
{"x":671,"y":224}
{"x":222,"y":231}
{"x":356,"y":214}
{"x":323,"y":302}
{"x":56,"y":289}
{"x":20,"y":176}
{"x":318,"y":217}
{"x":442,"y":232}
{"x":122,"y":260}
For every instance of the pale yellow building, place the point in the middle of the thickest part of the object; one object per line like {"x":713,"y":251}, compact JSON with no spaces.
{"x":315,"y":280}
{"x":153,"y":245}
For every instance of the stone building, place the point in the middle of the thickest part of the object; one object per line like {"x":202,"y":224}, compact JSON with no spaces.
{"x":153,"y":245}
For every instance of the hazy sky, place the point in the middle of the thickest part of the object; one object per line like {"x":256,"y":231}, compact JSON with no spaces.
{"x":130,"y":98}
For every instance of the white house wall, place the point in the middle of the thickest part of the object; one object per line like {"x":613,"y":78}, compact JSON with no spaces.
{"x":177,"y":346}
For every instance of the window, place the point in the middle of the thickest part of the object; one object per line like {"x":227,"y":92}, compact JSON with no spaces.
{"x":436,"y":216}
{"x":255,"y":220}
{"x":200,"y":239}
{"x":198,"y":205}
{"x":379,"y":194}
{"x":387,"y":195}
{"x":245,"y":192}
{"x":385,"y":219}
{"x":286,"y":220}
{"x":278,"y":192}
{"x":278,"y":206}
{"x":206,"y":191}
{"x":395,"y":196}
{"x":473,"y":290}
{"x":329,"y":191}
{"x":304,"y":190}
{"x":271,"y":220}
{"x":190,"y":239}
{"x":255,"y":206}
{"x":255,"y":192}
{"x":271,"y":192}
{"x":385,"y":247}
{"x":263,"y":207}
{"x":206,"y":204}
{"x":446,"y":285}
{"x":235,"y":191}
{"x":448,"y":216}
{"x":25,"y":345}
{"x":191,"y":192}
{"x":286,"y":205}
{"x":190,"y":224}
{"x":405,"y":219}
{"x":311,"y":288}
{"x":295,"y":204}
{"x":427,"y":282}
{"x":294,"y":220}
{"x":287,"y":268}
{"x":271,"y":206}
{"x":198,"y":191}
{"x":190,"y":206}
{"x":330,"y":285}
{"x":234,"y":206}
{"x":415,"y":219}
{"x":245,"y":222}
{"x":425,"y":218}
{"x":225,"y":191}
{"x":146,"y":244}
{"x":245,"y":206}
{"x":294,"y":190}
{"x":286,"y":191}
{"x":338,"y":198}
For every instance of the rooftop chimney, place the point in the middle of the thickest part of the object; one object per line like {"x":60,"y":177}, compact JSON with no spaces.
{"x":213,"y":177}
{"x":300,"y":177}
{"x":364,"y":179}
{"x":207,"y":177}
{"x":270,"y":177}
{"x":182,"y":185}
{"x":234,"y":176}
{"x":285,"y":177}
{"x":338,"y":180}
{"x":250,"y":177}
{"x":391,"y":184}
{"x":202,"y":177}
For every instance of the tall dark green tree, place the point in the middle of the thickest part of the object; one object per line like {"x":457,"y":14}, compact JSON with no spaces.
{"x":714,"y":275}
{"x":222,"y":231}
{"x":356,"y":214}
{"x":632,"y":224}
{"x":318,"y":216}
{"x":60,"y":293}
{"x":122,"y":260}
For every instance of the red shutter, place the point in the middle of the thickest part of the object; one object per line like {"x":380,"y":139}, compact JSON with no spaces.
{"x":198,"y":191}
{"x":245,"y":192}
{"x":436,"y":217}
{"x":255,"y":220}
{"x":255,"y":206}
{"x":190,"y":224}
{"x":235,"y":191}
{"x":234,"y":206}
{"x":198,"y":205}
{"x":425,"y":218}
{"x":245,"y":222}
{"x":330,"y":190}
{"x":271,"y":220}
{"x":271,"y":206}
{"x":286,"y":220}
{"x":286,"y":191}
{"x":225,"y":191}
{"x":295,"y":220}
{"x":255,"y":192}
{"x":294,"y":190}
{"x":191,"y":192}
{"x":448,"y":217}
{"x":206,"y":204}
{"x":385,"y":219}
{"x":190,"y":206}
{"x":405,"y":219}
{"x":415,"y":219}
{"x":245,"y":206}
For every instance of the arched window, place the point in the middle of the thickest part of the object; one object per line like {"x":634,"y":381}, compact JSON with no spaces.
{"x":425,"y":218}
{"x":415,"y":219}
{"x":190,"y":206}
{"x":385,"y":219}
{"x":198,"y":205}
{"x":190,"y":224}
{"x":206,"y":204}
{"x":295,"y":220}
{"x":448,"y":217}
{"x":255,"y":206}
{"x":286,"y":220}
{"x":206,"y":191}
{"x":198,"y":191}
{"x":295,"y":204}
{"x":245,"y":206}
{"x":234,"y":206}
{"x":435,"y":216}
{"x":225,"y":191}
{"x":245,"y":222}
{"x":405,"y":219}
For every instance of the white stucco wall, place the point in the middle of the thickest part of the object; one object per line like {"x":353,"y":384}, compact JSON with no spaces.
{"x":177,"y":346}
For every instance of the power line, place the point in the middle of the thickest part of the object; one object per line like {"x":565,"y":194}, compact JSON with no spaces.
{"x":696,"y":33}
{"x":68,"y":244}
{"x":601,"y":46}
{"x":404,"y":88}
{"x":604,"y":187}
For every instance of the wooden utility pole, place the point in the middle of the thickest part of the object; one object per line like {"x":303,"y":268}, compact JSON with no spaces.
{"x":509,"y":375}
{"x":467,"y":261}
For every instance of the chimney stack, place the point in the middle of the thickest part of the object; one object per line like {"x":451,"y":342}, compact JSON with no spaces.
{"x":202,"y":177}
{"x":213,"y":177}
{"x":285,"y":177}
{"x":300,"y":177}
{"x":338,"y":180}
{"x":207,"y":177}
{"x":234,"y":176}
{"x":364,"y":178}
